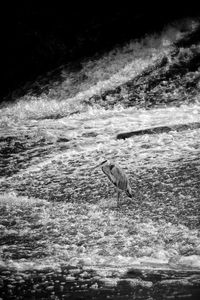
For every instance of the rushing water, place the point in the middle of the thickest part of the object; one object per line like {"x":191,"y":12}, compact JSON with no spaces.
{"x":155,"y":232}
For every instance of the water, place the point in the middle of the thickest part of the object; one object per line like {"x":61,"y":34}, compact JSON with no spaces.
{"x":157,"y":232}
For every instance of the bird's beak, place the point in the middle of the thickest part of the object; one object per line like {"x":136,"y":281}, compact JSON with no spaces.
{"x":99,"y":164}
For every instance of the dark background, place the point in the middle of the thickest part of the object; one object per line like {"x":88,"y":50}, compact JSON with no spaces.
{"x":39,"y":36}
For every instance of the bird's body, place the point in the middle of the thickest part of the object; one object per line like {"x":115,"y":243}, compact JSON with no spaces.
{"x":117,"y":176}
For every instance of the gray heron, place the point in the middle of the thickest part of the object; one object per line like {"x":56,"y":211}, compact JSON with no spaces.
{"x":117,"y":176}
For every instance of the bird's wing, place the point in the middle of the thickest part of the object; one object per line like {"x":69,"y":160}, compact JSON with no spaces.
{"x":121,"y":179}
{"x":116,"y":176}
{"x":109,"y":174}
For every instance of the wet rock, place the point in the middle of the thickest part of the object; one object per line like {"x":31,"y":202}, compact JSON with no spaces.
{"x":94,"y":286}
{"x":70,"y":278}
{"x":3,"y":277}
{"x":175,"y":282}
{"x":46,"y":283}
{"x":109,"y":282}
{"x":75,"y":271}
{"x":84,"y":274}
{"x":50,"y":288}
{"x":18,"y":278}
{"x":96,"y":277}
{"x":10,"y":286}
{"x":136,"y":282}
{"x":61,"y":288}
{"x":12,"y":280}
{"x":6,"y":272}
{"x":21,"y":281}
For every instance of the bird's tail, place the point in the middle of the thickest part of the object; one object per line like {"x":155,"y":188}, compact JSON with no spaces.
{"x":129,"y":192}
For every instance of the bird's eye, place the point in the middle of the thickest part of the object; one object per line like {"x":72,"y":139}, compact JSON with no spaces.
{"x":112,"y":166}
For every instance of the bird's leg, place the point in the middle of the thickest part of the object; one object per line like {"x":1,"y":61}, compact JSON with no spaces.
{"x":118,"y":197}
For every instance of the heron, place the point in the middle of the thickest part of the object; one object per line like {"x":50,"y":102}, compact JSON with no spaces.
{"x":117,"y":176}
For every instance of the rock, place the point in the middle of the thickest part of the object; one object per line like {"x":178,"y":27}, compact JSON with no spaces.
{"x":61,"y":288}
{"x":109,"y":282}
{"x":46,"y":283}
{"x":75,"y":271}
{"x":84,"y":274}
{"x":175,"y":282}
{"x":190,"y":261}
{"x":18,"y":278}
{"x":136,"y":282}
{"x":6,"y":272}
{"x":10,"y":286}
{"x":70,"y":278}
{"x":50,"y":288}
{"x":94,"y":286}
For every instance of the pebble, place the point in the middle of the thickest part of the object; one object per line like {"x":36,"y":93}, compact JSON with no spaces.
{"x":50,"y":288}
{"x":21,"y":281}
{"x":49,"y":274}
{"x":6,"y":272}
{"x":18,"y":278}
{"x":75,"y":271}
{"x":83,"y":286}
{"x":94,"y":286}
{"x":11,"y":280}
{"x":4,"y":277}
{"x":36,"y":286}
{"x":70,"y":278}
{"x":138,"y":282}
{"x":10,"y":286}
{"x":46,"y":283}
{"x":61,"y":288}
{"x":84,"y":274}
{"x":109,"y":282}
{"x":97,"y":277}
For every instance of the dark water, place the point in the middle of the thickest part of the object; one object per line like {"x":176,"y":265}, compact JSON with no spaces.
{"x":73,"y":283}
